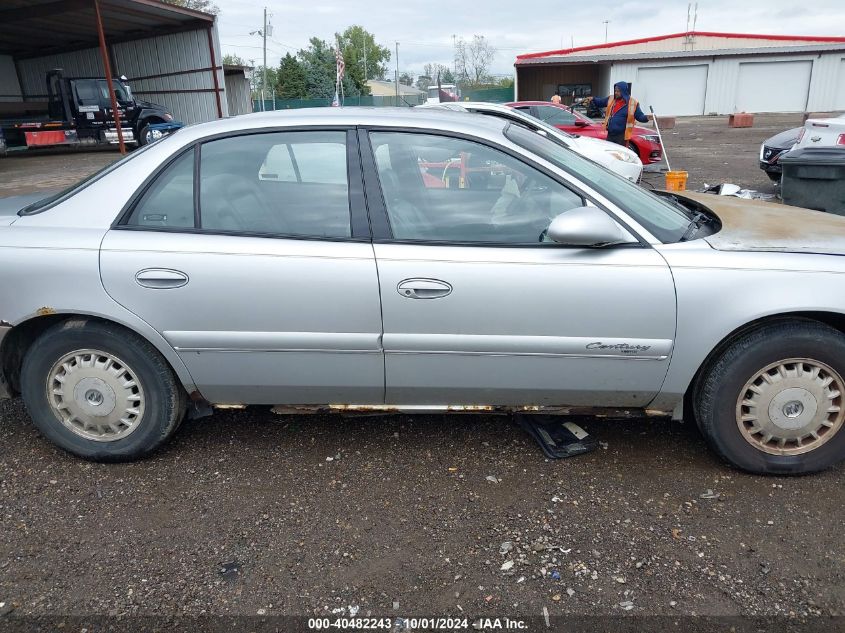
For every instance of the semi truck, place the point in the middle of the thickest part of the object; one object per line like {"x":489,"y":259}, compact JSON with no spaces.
{"x":78,"y":112}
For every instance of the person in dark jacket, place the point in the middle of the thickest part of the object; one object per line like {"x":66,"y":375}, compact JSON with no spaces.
{"x":621,"y":109}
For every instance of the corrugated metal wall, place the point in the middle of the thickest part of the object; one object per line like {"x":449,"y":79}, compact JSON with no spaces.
{"x":238,"y":94}
{"x":10,"y":90}
{"x":76,"y":64}
{"x":164,"y":54}
{"x":825,"y":91}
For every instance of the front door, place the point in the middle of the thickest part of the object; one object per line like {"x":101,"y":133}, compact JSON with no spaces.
{"x":479,"y":307}
{"x":263,"y":276}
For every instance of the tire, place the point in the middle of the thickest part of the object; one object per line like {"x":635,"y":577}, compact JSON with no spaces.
{"x":784,"y":404}
{"x":142,"y":135}
{"x":137,"y":385}
{"x":145,"y":128}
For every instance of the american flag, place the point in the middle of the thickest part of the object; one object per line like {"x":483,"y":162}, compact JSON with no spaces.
{"x":341,"y":65}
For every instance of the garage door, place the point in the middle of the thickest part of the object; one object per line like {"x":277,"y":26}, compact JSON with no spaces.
{"x":840,"y":87}
{"x":773,"y":86}
{"x":672,"y":90}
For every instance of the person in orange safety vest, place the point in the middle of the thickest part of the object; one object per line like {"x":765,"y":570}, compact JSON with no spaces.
{"x":621,"y":112}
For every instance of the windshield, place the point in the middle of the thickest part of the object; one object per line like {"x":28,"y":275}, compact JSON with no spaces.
{"x":663,"y":220}
{"x":49,"y":201}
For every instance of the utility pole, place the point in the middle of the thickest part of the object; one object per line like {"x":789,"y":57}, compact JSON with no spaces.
{"x":264,"y":70}
{"x":397,"y":73}
{"x":455,"y":55}
{"x":606,"y":22}
{"x":263,"y":34}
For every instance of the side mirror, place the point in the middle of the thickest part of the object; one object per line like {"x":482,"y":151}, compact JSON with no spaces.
{"x":587,"y":226}
{"x":580,"y":123}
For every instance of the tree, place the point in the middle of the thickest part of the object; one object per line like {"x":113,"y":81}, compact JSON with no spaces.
{"x":258,"y":81}
{"x":206,"y":6}
{"x":290,"y":79}
{"x":319,"y":64}
{"x":423,"y":82}
{"x":473,"y":59}
{"x":233,"y":60}
{"x":356,"y":44}
{"x":406,"y":79}
{"x":434,"y":69}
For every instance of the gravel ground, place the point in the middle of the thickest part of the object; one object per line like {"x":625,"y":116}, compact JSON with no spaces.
{"x":251,"y":513}
{"x":39,"y":170}
{"x":713,"y":153}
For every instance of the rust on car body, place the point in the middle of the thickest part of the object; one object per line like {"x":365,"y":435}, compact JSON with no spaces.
{"x":370,"y":409}
{"x":756,"y":225}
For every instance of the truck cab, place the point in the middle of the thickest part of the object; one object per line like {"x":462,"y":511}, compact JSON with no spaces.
{"x":78,"y":111}
{"x":443,"y":93}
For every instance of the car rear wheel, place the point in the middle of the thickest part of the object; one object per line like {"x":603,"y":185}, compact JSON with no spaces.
{"x":100,"y":392}
{"x":772,"y":402}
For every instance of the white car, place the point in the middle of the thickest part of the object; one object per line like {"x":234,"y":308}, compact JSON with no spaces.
{"x":822,"y":133}
{"x":616,"y":158}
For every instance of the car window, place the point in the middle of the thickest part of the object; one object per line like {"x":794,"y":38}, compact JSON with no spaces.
{"x":663,"y":220}
{"x":120,"y":93}
{"x":447,"y":189}
{"x":555,"y":116}
{"x":289,"y":183}
{"x":169,"y":201}
{"x":305,"y":162}
{"x":86,"y":93}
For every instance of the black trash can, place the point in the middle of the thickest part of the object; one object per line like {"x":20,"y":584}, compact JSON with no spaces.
{"x":814,"y":178}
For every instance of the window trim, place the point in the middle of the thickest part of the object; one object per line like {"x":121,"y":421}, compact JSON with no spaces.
{"x":383,"y":234}
{"x":358,"y":217}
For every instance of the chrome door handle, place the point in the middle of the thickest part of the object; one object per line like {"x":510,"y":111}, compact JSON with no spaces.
{"x":423,"y":288}
{"x":159,"y":278}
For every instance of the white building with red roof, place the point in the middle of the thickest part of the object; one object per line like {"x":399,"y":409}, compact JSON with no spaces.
{"x":697,"y":72}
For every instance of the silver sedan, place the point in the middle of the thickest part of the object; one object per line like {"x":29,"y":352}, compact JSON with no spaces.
{"x":380,"y":260}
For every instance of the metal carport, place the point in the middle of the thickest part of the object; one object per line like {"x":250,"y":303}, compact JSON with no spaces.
{"x":169,"y":54}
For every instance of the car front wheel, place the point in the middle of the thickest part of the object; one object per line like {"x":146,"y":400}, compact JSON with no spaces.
{"x":772,"y":402}
{"x":100,"y":392}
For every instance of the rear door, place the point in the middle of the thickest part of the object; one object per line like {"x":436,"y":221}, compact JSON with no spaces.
{"x":262,"y":277}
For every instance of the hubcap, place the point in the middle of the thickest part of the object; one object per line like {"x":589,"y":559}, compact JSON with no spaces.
{"x":95,"y":395}
{"x":791,"y":407}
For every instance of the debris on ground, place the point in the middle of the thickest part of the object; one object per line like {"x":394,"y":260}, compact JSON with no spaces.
{"x":557,"y":437}
{"x":730,"y":189}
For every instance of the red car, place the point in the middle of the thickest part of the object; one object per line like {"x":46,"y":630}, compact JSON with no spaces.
{"x":644,"y":141}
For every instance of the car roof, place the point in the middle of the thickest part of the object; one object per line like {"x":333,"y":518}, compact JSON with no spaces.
{"x":423,"y":118}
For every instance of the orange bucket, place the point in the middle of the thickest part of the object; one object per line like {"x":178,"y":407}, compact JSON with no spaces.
{"x":676,"y":180}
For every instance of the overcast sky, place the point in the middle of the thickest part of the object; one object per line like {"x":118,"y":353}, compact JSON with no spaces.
{"x":424,"y":28}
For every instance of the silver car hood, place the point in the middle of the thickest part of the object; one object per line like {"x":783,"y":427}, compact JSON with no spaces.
{"x":754,"y":225}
